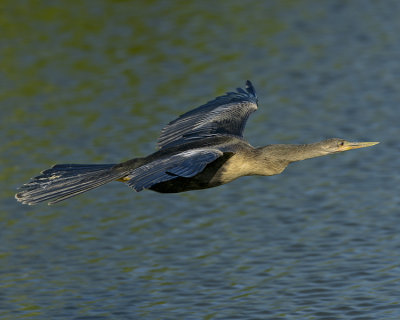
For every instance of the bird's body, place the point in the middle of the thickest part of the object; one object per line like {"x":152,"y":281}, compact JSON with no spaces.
{"x":237,"y":159}
{"x":203,"y":148}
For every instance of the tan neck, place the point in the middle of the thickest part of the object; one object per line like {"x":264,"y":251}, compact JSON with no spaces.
{"x":291,"y":152}
{"x":273,"y":159}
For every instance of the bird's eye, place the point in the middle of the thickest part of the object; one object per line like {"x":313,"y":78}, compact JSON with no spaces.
{"x":341,"y":143}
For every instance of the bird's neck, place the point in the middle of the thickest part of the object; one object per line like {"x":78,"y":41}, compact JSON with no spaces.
{"x":291,"y":152}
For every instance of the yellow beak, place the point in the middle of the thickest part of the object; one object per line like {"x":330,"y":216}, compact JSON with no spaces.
{"x":356,"y":145}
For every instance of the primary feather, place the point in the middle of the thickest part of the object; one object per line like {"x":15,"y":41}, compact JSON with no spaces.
{"x":225,"y":115}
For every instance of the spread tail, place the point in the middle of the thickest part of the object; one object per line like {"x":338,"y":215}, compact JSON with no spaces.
{"x":63,"y":181}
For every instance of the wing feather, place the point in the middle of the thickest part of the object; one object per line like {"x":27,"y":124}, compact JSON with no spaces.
{"x":225,"y":115}
{"x":184,"y":164}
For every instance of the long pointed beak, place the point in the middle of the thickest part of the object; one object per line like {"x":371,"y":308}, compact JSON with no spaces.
{"x":357,"y":145}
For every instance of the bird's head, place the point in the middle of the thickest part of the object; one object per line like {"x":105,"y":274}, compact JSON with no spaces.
{"x":335,"y":145}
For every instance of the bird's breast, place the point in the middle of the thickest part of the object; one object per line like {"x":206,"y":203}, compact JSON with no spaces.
{"x":235,"y":167}
{"x":239,"y":166}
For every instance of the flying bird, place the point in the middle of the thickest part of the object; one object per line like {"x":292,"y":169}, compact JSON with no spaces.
{"x":203,"y":148}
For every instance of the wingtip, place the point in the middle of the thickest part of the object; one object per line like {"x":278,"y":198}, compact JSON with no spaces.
{"x":250,"y":88}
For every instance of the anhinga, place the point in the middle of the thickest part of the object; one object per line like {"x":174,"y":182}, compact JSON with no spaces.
{"x":203,"y":148}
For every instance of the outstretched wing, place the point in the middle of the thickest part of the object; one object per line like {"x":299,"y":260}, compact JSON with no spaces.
{"x":225,"y":115}
{"x":185,"y":164}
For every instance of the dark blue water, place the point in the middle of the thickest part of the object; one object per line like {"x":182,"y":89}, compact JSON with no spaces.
{"x":96,"y":82}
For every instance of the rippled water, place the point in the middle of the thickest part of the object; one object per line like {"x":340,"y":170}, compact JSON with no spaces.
{"x":96,"y":81}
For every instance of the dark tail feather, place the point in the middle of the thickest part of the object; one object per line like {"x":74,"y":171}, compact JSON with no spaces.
{"x":66,"y":180}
